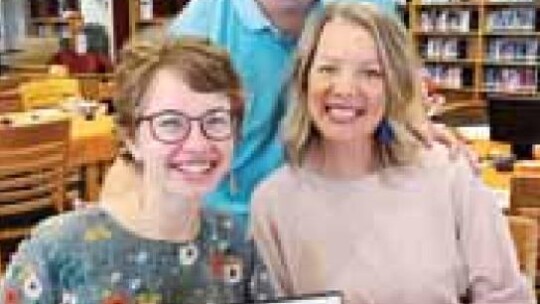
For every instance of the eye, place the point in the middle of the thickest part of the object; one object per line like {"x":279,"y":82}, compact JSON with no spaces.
{"x":170,"y":122}
{"x":374,"y":73}
{"x":326,"y":68}
{"x":217,"y":120}
{"x":370,"y":73}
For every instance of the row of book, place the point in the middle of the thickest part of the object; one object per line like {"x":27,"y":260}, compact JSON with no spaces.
{"x":444,"y":48}
{"x":445,"y":20}
{"x":511,"y":19}
{"x":511,"y":79}
{"x":444,"y":1}
{"x":446,"y":76}
{"x":508,"y":79}
{"x":515,"y":49}
{"x":52,"y":8}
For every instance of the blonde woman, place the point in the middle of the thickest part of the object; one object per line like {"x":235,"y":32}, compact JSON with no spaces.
{"x":179,"y":104}
{"x":362,"y":206}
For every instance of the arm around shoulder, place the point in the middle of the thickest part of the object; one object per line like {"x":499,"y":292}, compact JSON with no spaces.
{"x":485,"y":244}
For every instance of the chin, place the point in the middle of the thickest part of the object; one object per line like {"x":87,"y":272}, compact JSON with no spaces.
{"x":338,"y":134}
{"x":192,"y":187}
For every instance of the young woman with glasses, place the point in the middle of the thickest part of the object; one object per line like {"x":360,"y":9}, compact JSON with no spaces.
{"x":179,"y":107}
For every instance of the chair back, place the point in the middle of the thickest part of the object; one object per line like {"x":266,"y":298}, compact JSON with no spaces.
{"x":10,"y":98}
{"x":524,"y":232}
{"x":524,"y":191}
{"x":33,"y":165}
{"x":48,"y":92}
{"x":10,"y":101}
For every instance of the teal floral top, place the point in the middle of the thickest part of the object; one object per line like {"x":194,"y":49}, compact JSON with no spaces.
{"x":86,"y":257}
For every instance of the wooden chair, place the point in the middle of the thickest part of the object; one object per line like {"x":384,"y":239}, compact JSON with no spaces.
{"x":47,"y":92}
{"x":33,"y":165}
{"x":10,"y":98}
{"x":524,"y":232}
{"x":525,"y":191}
{"x":10,"y":101}
{"x":525,"y":201}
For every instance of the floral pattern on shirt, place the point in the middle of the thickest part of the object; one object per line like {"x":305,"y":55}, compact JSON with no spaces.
{"x":85,"y":257}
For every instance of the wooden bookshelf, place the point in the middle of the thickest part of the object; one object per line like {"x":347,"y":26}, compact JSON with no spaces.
{"x":477,"y":47}
{"x":153,"y":13}
{"x":56,"y":18}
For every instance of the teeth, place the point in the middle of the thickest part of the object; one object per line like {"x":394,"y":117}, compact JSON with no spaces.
{"x":341,"y":113}
{"x":195,"y":167}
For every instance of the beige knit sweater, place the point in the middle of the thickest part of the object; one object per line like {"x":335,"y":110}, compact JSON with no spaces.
{"x":425,"y":235}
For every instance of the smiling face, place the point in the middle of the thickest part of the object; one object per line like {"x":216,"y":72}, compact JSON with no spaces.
{"x":192,"y":164}
{"x":346,"y":83}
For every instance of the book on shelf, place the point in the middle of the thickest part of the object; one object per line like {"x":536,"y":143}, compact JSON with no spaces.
{"x":440,"y":20}
{"x":511,"y":19}
{"x":512,"y":49}
{"x":146,"y":10}
{"x":510,"y":79}
{"x":443,"y":48}
{"x":449,"y":77}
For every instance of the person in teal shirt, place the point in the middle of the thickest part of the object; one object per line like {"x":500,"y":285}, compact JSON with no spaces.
{"x":260,"y":36}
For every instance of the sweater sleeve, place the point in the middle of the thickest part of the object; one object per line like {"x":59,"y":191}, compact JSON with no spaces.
{"x":27,"y":279}
{"x":487,"y":250}
{"x":264,"y":231}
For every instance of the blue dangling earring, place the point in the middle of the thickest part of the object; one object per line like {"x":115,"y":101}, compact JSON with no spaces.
{"x":384,"y":132}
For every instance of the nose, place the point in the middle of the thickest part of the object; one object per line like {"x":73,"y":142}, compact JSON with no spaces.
{"x":344,"y":85}
{"x":195,"y":141}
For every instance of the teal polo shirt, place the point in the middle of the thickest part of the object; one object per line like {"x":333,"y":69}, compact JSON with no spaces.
{"x":262,"y":57}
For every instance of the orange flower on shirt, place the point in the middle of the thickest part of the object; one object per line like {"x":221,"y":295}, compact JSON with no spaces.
{"x":11,"y":296}
{"x":116,"y":298}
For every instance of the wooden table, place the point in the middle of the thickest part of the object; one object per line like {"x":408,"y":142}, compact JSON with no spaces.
{"x":478,"y":138}
{"x":92,"y":147}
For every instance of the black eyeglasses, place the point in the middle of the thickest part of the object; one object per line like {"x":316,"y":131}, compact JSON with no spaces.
{"x":171,"y":126}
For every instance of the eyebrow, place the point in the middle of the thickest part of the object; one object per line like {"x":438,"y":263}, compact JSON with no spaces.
{"x":334,"y":59}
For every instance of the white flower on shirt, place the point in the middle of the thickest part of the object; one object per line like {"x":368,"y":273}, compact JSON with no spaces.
{"x":32,"y":287}
{"x":188,"y":254}
{"x":68,"y":298}
{"x":227,"y":224}
{"x":232,"y":271}
{"x":141,"y":258}
{"x":116,"y":277}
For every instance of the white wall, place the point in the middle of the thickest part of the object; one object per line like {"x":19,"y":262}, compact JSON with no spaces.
{"x":99,"y":11}
{"x":12,"y":23}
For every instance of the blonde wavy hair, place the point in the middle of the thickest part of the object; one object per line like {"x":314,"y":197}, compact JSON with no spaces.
{"x":203,"y":66}
{"x":403,"y":104}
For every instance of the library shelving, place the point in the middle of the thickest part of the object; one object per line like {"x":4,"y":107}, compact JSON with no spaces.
{"x":472,"y":48}
{"x":153,"y":13}
{"x":58,"y":18}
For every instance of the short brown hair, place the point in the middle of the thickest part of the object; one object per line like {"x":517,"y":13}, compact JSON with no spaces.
{"x":403,"y":106}
{"x":205,"y":68}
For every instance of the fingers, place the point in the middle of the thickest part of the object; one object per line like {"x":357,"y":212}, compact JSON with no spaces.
{"x":430,"y":132}
{"x":423,"y":133}
{"x":435,"y":104}
{"x":473,"y":158}
{"x":444,"y":136}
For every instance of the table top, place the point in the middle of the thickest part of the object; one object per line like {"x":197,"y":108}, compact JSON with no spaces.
{"x":499,"y":181}
{"x":91,"y":140}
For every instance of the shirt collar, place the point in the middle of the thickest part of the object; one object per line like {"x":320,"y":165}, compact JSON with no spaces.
{"x":253,"y":17}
